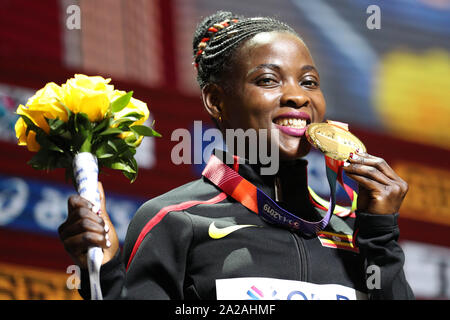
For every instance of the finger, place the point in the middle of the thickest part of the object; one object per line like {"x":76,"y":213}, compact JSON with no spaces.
{"x":367,"y":171}
{"x":80,"y":214}
{"x":80,"y":243}
{"x":103,"y":213}
{"x":377,"y":162}
{"x":383,"y":167}
{"x":367,"y":183}
{"x":81,"y":226}
{"x":102,"y":196}
{"x":76,"y":201}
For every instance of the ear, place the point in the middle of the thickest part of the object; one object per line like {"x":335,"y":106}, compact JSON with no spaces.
{"x":213,"y":100}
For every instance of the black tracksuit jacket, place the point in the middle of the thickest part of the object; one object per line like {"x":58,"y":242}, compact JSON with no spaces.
{"x":173,"y":255}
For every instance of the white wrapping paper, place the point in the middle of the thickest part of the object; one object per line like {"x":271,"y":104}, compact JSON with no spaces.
{"x":85,"y":170}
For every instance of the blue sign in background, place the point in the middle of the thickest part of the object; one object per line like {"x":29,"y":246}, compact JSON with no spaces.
{"x":40,"y":207}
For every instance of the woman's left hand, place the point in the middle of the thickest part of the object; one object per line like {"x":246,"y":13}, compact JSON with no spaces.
{"x":381,"y":190}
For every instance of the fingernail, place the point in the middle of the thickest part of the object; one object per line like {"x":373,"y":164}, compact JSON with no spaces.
{"x":108,"y":243}
{"x":107,"y":236}
{"x":346,"y":164}
{"x":95,"y":209}
{"x":353,"y":156}
{"x":106,"y":228}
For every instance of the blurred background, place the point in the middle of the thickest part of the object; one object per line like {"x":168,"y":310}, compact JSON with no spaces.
{"x":391,"y":84}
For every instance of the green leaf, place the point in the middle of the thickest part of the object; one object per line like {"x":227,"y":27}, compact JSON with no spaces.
{"x":101,"y":150}
{"x":120,"y":103}
{"x":123,"y":121}
{"x":111,"y":131}
{"x":44,"y":160}
{"x":131,"y":138}
{"x":102,"y":125}
{"x":86,"y":146}
{"x":106,"y":150}
{"x":81,"y":129}
{"x":122,"y":166}
{"x":48,"y":144}
{"x":39,"y":160}
{"x":105,"y":156}
{"x":69,"y":113}
{"x":42,"y":138}
{"x":30,"y":125}
{"x":112,"y":145}
{"x":134,"y":115}
{"x":82,"y":121}
{"x":120,"y":145}
{"x":145,"y":131}
{"x":131,"y":176}
{"x":133,"y":164}
{"x":64,"y":162}
{"x":66,"y":135}
{"x":54,"y":124}
{"x":129,"y":152}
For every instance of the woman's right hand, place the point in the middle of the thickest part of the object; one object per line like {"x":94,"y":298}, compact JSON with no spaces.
{"x":83,"y":229}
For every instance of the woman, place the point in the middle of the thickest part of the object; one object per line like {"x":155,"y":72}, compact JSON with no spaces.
{"x":195,"y":242}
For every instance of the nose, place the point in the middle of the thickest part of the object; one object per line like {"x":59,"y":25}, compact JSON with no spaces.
{"x":294,"y":96}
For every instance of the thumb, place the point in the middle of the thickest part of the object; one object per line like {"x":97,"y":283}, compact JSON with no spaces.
{"x":103,"y":212}
{"x":109,"y":228}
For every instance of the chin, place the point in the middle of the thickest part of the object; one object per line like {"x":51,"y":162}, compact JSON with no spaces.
{"x":295,"y":151}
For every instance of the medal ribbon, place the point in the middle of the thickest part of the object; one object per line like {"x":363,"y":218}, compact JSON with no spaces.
{"x":243,"y":191}
{"x":336,"y":167}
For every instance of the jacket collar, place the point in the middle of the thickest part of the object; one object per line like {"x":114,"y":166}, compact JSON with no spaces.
{"x":291,"y":180}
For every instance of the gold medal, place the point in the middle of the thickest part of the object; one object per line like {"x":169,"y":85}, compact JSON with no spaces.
{"x":334,"y":139}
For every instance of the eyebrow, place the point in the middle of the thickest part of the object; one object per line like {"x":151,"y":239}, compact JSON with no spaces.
{"x":265,"y":65}
{"x":309,"y":68}
{"x":278,"y":68}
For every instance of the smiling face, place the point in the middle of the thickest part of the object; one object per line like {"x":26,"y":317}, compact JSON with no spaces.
{"x":274,"y":85}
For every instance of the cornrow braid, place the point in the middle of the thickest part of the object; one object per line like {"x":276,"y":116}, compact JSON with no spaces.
{"x":219,"y":35}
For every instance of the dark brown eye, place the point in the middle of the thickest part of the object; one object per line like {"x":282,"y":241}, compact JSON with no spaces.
{"x":266,"y":81}
{"x":310,"y":83}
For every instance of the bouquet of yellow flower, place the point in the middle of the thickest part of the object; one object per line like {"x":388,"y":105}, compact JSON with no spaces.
{"x":83,"y":125}
{"x":85,"y":114}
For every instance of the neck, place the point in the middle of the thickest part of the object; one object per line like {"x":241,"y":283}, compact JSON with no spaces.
{"x":288,"y":186}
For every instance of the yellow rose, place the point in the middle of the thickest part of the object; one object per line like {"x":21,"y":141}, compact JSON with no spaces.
{"x":24,"y":140}
{"x":89,"y":95}
{"x":130,"y":137}
{"x":47,"y":101}
{"x":134,"y":105}
{"x":37,"y":116}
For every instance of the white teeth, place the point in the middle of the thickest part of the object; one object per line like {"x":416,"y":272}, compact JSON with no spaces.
{"x":291,"y":122}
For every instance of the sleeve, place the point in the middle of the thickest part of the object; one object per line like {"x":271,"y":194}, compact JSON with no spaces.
{"x":376,"y":236}
{"x":158,"y":266}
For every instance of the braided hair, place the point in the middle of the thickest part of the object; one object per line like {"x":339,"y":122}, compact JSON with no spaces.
{"x":218,"y":36}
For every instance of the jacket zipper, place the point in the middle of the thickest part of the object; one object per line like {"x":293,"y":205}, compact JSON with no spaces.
{"x":303,"y":263}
